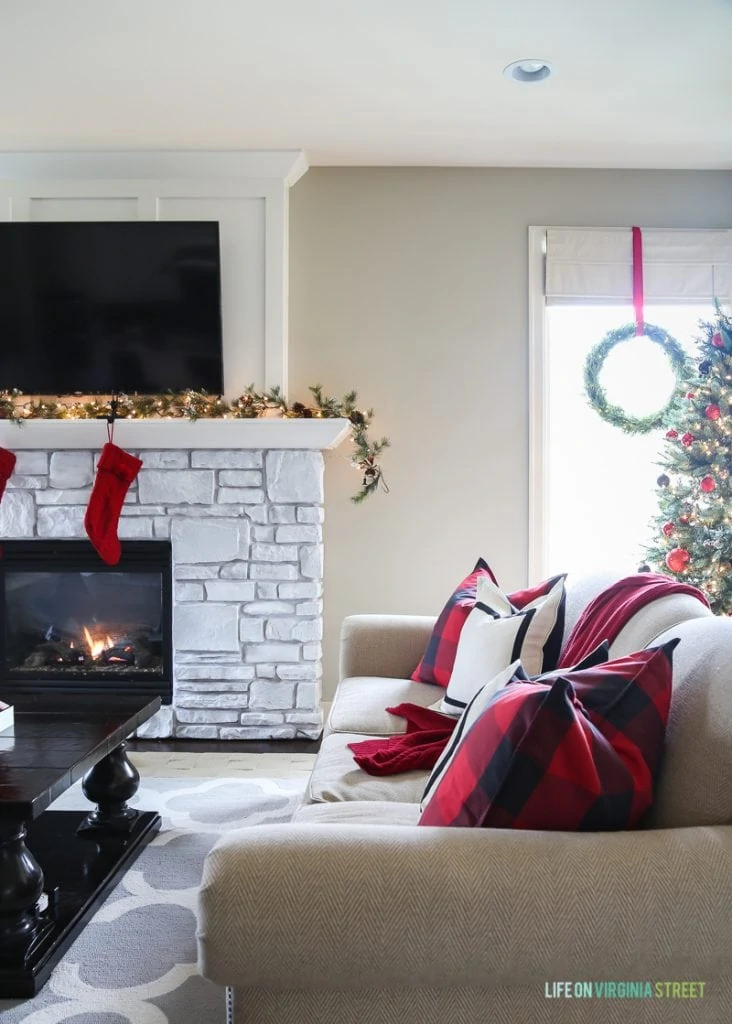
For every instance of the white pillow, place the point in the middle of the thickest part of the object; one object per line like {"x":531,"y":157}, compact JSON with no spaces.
{"x":495,"y":634}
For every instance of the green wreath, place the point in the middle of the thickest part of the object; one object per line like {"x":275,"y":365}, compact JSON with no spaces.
{"x":597,"y":395}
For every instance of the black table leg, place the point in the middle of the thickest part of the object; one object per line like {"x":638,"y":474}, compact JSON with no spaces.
{"x":110,"y":784}
{"x":21,"y":885}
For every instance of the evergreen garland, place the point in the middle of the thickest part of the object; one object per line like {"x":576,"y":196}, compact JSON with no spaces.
{"x":692,"y":531}
{"x":193,"y":405}
{"x":597,"y":396}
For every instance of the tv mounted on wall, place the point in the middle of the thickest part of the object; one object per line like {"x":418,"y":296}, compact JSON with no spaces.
{"x":95,"y":308}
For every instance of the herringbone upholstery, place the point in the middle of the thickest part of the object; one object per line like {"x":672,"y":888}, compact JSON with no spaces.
{"x":518,"y":1005}
{"x":366,"y":906}
{"x":336,"y":776}
{"x":695,"y":784}
{"x":383,"y":645}
{"x":351,"y":917}
{"x":360,"y":704}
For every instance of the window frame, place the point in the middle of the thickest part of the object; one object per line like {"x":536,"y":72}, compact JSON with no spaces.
{"x":539,"y":395}
{"x":538,"y":404}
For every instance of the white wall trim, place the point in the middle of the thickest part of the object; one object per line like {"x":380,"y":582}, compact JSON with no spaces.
{"x":287,"y":165}
{"x":538,"y":423}
{"x":276,"y":287}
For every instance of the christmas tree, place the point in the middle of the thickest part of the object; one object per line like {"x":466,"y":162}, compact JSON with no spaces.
{"x":692,"y":533}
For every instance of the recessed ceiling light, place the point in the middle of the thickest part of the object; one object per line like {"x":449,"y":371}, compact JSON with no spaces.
{"x":529,"y":70}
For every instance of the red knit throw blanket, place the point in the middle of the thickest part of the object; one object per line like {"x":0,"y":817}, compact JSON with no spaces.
{"x":614,"y":607}
{"x":425,"y":739}
{"x":428,"y":731}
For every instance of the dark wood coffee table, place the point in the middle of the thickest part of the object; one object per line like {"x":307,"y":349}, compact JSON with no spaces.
{"x":57,"y":866}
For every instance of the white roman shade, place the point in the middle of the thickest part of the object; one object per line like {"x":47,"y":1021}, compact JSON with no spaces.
{"x":595,"y":265}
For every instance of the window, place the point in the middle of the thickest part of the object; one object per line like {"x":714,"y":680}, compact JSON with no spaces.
{"x":592,"y":487}
{"x":601,"y":482}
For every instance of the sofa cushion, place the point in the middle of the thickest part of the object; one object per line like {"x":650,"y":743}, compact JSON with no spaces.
{"x":358,"y":812}
{"x":336,"y":776}
{"x":360,"y":704}
{"x":573,"y":750}
{"x":496,"y":634}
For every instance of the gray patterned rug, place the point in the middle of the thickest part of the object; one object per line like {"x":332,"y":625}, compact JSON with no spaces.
{"x":135,"y":962}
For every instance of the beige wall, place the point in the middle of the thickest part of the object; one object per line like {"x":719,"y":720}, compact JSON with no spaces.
{"x":410,"y":284}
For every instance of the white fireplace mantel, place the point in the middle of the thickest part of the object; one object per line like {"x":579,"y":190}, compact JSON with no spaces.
{"x":138,"y":435}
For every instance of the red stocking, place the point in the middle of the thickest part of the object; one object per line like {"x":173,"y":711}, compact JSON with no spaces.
{"x":115,"y":472}
{"x":7,"y":465}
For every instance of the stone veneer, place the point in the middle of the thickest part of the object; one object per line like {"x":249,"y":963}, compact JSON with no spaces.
{"x":246,"y":534}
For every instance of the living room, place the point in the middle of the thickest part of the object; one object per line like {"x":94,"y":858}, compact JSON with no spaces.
{"x":508,"y":230}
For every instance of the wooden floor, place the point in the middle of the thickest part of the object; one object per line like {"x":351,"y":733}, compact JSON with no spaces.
{"x":225,"y":746}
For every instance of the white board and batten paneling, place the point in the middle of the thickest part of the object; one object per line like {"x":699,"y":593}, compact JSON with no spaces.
{"x":246,"y":192}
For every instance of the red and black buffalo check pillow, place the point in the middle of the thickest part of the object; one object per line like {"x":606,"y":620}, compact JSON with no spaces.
{"x":571,"y":750}
{"x":438,"y":660}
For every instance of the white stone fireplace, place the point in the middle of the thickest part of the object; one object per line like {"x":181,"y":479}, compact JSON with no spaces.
{"x":240,"y":500}
{"x":242,"y":504}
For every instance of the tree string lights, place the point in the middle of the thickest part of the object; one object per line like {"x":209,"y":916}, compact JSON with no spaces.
{"x":693,"y":527}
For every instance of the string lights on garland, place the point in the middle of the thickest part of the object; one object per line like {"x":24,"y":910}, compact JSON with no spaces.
{"x":193,"y":405}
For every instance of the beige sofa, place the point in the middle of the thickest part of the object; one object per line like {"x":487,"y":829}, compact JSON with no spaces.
{"x":354,"y":915}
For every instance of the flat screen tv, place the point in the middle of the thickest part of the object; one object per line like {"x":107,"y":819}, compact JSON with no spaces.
{"x":126,"y":306}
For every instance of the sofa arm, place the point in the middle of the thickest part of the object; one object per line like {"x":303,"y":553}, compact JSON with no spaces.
{"x":383,"y":645}
{"x":286,"y":907}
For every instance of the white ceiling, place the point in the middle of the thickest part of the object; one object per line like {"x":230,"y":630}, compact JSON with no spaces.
{"x":639,"y":83}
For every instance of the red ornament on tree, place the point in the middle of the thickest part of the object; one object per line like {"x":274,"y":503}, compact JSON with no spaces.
{"x":672,"y":434}
{"x":684,"y":519}
{"x":668,"y":529}
{"x":712,"y":412}
{"x":690,"y":395}
{"x":678,"y":559}
{"x":708,"y":484}
{"x":717,"y":340}
{"x":687,"y":439}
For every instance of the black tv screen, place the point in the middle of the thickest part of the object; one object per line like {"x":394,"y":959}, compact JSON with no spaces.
{"x":115,"y":306}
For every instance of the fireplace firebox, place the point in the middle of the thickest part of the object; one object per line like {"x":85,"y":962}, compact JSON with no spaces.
{"x":71,"y":625}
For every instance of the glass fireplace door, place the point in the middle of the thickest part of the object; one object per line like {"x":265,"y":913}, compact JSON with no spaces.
{"x":70,"y":622}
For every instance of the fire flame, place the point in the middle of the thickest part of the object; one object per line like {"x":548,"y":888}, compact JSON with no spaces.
{"x":97,"y":647}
